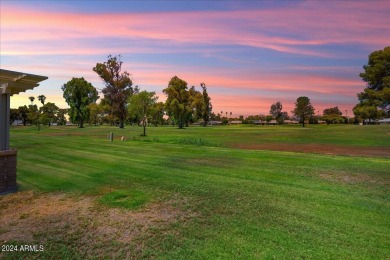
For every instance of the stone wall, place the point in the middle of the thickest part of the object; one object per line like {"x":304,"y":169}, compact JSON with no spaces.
{"x":7,"y":171}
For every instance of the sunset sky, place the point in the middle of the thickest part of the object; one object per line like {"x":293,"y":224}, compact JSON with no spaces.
{"x":250,"y":54}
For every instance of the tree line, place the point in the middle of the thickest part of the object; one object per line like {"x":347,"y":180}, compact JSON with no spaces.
{"x":49,"y":113}
{"x":124,"y":103}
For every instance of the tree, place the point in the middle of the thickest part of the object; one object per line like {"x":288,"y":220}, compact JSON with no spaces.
{"x":23,"y":114}
{"x":277,"y":113}
{"x":95,"y":113}
{"x":178,"y":100}
{"x":262,"y":117}
{"x":79,"y":93}
{"x":196,"y":104}
{"x":32,"y":100}
{"x":42,"y":99}
{"x":303,"y":109}
{"x":141,"y":105}
{"x":158,"y":114}
{"x":13,"y":115}
{"x":61,"y":119}
{"x":105,"y":114}
{"x":118,"y":86}
{"x":332,"y":114}
{"x":207,"y":107}
{"x":377,"y":92}
{"x":251,"y":119}
{"x":34,"y":116}
{"x":285,"y":116}
{"x":367,"y":112}
{"x":49,"y":112}
{"x":214,"y":117}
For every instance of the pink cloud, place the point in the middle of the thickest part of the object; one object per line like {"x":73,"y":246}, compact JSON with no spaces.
{"x":301,"y":29}
{"x":311,"y":25}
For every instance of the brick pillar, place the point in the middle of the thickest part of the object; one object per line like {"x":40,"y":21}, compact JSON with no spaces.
{"x":7,"y":171}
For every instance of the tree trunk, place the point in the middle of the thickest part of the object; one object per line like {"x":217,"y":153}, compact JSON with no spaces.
{"x":180,"y":123}
{"x":81,"y":124}
{"x":121,"y":124}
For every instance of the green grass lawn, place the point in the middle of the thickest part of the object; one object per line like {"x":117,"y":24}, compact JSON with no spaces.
{"x":232,"y":203}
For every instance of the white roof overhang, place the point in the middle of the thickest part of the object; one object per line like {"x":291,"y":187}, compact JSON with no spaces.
{"x":13,"y":82}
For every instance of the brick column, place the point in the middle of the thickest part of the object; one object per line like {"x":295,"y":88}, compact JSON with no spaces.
{"x":7,"y":171}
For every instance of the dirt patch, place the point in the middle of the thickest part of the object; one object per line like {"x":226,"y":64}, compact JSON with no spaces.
{"x":320,"y":148}
{"x":94,"y":229}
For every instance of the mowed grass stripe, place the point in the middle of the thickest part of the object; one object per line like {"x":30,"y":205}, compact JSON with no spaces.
{"x":248,"y":204}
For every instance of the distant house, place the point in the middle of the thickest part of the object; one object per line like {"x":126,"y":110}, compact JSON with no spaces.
{"x":236,"y":122}
{"x":258,"y":122}
{"x":384,"y":121}
{"x":198,"y":123}
{"x":272,"y":122}
{"x":17,"y":122}
{"x":291,"y":122}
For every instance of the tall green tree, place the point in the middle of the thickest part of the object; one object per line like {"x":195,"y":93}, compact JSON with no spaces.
{"x":207,"y":106}
{"x":178,"y":100}
{"x":196,"y":104}
{"x":141,"y":106}
{"x":118,"y":86}
{"x":79,"y":93}
{"x":377,"y":92}
{"x":49,"y":112}
{"x":277,"y":113}
{"x":303,"y":109}
{"x":42,"y":99}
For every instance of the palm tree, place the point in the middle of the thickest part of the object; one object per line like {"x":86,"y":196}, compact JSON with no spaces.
{"x":32,"y":100}
{"x":42,"y":98}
